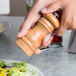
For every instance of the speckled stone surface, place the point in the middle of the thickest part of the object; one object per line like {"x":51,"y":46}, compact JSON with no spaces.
{"x":52,"y":62}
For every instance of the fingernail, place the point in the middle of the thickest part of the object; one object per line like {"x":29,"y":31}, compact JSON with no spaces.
{"x":38,"y":51}
{"x":47,"y":38}
{"x":19,"y":34}
{"x":44,"y":9}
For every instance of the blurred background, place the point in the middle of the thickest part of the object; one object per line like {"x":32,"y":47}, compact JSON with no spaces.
{"x":13,"y":7}
{"x":16,"y":7}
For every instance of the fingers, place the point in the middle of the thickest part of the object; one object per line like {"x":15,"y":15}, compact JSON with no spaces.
{"x":66,"y":22}
{"x":28,"y":23}
{"x":34,"y":15}
{"x":38,"y":51}
{"x":31,"y":19}
{"x":66,"y":17}
{"x":63,"y":27}
{"x":73,"y":23}
{"x":46,"y":42}
{"x":52,"y":7}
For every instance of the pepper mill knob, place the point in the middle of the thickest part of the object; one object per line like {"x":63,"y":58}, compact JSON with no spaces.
{"x":33,"y":38}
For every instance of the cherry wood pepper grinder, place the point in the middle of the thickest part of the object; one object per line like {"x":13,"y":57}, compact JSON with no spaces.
{"x":33,"y":38}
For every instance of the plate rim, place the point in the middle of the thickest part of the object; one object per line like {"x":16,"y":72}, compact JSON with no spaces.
{"x":9,"y":25}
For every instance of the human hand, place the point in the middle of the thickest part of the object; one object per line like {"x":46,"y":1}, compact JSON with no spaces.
{"x":31,"y":19}
{"x":68,"y":15}
{"x":49,"y":6}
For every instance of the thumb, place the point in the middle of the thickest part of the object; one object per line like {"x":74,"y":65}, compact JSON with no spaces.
{"x":52,"y":7}
{"x":63,"y":27}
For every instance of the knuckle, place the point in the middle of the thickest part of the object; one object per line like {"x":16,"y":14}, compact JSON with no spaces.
{"x":60,"y":33}
{"x":74,"y":20}
{"x":67,"y":22}
{"x":73,"y":25}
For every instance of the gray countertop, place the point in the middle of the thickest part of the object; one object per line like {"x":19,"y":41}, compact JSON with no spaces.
{"x":52,"y":62}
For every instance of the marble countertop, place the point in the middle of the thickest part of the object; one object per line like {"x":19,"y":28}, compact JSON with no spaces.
{"x":52,"y":62}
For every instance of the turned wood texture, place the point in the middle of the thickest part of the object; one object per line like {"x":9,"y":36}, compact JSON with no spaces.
{"x":33,"y":38}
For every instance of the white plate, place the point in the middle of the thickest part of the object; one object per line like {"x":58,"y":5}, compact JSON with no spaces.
{"x":4,"y":26}
{"x":29,"y":66}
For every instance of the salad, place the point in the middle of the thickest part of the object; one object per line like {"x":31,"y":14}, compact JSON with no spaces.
{"x":2,"y":28}
{"x":15,"y":69}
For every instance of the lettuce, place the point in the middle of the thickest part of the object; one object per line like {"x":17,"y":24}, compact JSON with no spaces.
{"x":2,"y":63}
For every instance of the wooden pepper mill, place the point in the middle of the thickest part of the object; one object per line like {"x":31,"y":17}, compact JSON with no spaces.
{"x":32,"y":40}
